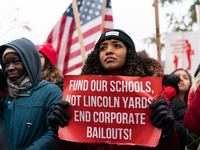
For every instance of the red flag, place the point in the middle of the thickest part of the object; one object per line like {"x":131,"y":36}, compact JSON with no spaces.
{"x":64,"y":36}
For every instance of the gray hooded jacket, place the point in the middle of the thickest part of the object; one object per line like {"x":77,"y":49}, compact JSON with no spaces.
{"x":29,"y":55}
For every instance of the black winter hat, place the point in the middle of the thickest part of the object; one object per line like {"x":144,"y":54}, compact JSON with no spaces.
{"x":116,"y":34}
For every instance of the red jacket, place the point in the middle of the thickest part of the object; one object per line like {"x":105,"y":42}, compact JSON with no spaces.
{"x":192,"y":116}
{"x":190,"y":96}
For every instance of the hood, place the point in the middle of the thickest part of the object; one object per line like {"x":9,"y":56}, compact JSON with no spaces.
{"x":29,"y":55}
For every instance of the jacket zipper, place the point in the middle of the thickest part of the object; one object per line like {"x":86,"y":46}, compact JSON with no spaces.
{"x":14,"y":109}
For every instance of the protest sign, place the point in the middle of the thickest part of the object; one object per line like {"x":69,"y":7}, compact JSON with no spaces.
{"x":182,"y":51}
{"x":111,"y":109}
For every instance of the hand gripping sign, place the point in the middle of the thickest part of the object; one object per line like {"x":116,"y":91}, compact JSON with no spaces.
{"x":111,"y":109}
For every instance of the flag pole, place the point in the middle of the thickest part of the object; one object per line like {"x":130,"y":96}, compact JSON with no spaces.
{"x":103,"y":15}
{"x":157,"y":31}
{"x":78,"y":27}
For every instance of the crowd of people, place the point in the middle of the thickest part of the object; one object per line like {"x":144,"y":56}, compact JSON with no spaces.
{"x":32,"y":107}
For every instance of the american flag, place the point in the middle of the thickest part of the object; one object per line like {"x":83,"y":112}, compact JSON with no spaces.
{"x":64,"y":36}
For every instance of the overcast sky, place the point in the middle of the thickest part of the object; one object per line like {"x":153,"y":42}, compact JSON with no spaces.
{"x":136,"y":17}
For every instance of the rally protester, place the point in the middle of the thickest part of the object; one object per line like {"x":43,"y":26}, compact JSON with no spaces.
{"x":191,"y":92}
{"x":3,"y":89}
{"x":171,"y":91}
{"x":30,"y":99}
{"x":3,"y":93}
{"x":50,"y":71}
{"x":184,"y":84}
{"x":191,"y":119}
{"x":115,"y":54}
{"x":197,"y":71}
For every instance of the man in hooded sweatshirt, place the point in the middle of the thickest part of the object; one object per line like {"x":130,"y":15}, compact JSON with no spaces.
{"x":30,"y":99}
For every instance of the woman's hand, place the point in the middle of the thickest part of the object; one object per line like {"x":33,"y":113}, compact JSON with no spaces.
{"x":162,"y":117}
{"x":59,"y":116}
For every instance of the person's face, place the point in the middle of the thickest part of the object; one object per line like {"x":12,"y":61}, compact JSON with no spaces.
{"x":112,"y":56}
{"x":14,"y":67}
{"x":42,"y":57}
{"x":185,"y":80}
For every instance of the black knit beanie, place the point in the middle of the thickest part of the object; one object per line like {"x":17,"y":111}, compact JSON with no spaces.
{"x":116,"y":34}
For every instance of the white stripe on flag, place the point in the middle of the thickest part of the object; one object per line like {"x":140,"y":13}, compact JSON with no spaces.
{"x":63,"y":47}
{"x":55,"y":36}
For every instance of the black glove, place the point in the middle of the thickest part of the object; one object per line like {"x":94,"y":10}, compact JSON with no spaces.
{"x":171,"y":80}
{"x":162,"y":117}
{"x":59,"y":116}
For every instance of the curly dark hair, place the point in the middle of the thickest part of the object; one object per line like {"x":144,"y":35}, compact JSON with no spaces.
{"x":51,"y":72}
{"x":153,"y":67}
{"x":135,"y":65}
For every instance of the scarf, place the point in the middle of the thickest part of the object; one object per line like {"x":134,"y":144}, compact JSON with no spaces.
{"x":170,"y":92}
{"x":16,"y":87}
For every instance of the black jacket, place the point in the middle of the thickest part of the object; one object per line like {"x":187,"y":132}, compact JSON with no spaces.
{"x":179,"y":108}
{"x":60,"y":84}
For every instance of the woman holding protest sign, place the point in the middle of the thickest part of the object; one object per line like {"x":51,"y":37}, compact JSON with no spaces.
{"x":191,"y":119}
{"x":114,"y":54}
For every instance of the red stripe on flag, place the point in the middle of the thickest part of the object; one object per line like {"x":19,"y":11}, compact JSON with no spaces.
{"x":108,"y":18}
{"x":87,"y":33}
{"x":49,"y":39}
{"x":74,"y":67}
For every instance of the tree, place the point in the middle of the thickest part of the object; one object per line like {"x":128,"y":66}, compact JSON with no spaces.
{"x":187,"y":20}
{"x":184,"y":22}
{"x":10,"y":19}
